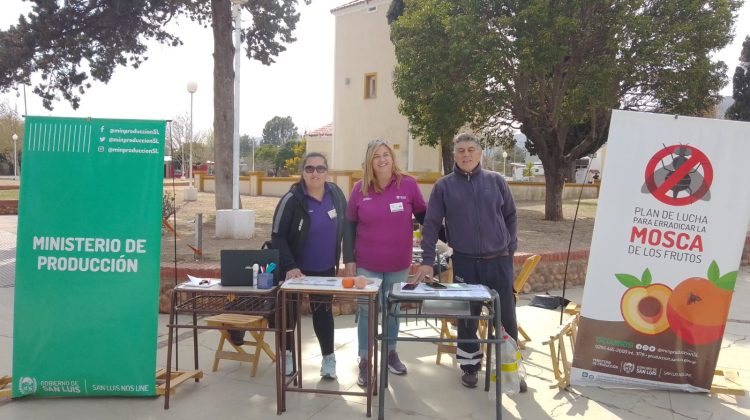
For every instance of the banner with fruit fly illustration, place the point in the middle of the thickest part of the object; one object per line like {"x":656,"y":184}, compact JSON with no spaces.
{"x":664,"y":253}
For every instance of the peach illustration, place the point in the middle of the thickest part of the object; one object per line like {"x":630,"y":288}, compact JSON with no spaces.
{"x":644,"y":305}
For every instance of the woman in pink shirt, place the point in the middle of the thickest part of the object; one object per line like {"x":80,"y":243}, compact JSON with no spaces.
{"x":381,"y":206}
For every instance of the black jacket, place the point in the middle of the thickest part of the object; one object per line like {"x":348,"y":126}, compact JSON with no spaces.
{"x":291,"y":225}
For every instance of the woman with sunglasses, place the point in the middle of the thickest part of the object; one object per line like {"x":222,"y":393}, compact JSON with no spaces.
{"x":380,"y":207}
{"x":308,"y":230}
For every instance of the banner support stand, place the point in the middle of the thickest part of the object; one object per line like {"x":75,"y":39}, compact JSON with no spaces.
{"x":6,"y":386}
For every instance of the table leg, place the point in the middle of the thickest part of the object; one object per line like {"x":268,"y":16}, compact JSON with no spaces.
{"x":297,"y":354}
{"x":169,"y":350}
{"x":383,"y":359}
{"x":279,"y":372}
{"x":195,"y":342}
{"x":282,"y":352}
{"x":498,"y":382}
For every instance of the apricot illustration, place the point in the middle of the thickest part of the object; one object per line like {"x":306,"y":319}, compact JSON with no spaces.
{"x":644,"y":305}
{"x":645,"y":308}
{"x":698,"y":308}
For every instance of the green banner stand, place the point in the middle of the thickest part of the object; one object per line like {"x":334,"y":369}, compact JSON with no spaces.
{"x":88,"y":250}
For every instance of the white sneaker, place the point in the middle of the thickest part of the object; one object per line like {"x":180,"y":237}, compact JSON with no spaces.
{"x":328,"y":367}
{"x":289,"y":366}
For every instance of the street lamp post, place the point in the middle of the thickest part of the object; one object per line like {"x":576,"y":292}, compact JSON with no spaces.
{"x":15,"y":156}
{"x":192,"y":87}
{"x":505,"y":156}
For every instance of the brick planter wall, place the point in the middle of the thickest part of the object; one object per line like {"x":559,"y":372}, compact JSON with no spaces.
{"x":8,"y":207}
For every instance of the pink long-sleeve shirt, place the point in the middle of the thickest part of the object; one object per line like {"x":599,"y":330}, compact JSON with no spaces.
{"x":383,"y":241}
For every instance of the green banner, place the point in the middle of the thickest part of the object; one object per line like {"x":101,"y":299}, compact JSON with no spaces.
{"x":87,"y":266}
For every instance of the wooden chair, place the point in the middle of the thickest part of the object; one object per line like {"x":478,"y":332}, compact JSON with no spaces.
{"x":238,"y":321}
{"x":523,"y":276}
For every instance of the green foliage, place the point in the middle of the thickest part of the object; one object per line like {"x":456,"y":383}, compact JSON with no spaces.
{"x":293,"y":164}
{"x":279,"y":130}
{"x":247,"y":144}
{"x":435,"y":48}
{"x":10,"y":123}
{"x":629,"y":280}
{"x":555,"y":69}
{"x":168,"y":206}
{"x":265,"y":157}
{"x":286,"y":152}
{"x":69,"y":43}
{"x":529,"y":169}
{"x":740,"y":109}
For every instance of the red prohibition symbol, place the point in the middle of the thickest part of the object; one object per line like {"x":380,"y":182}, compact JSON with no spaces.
{"x":679,"y":175}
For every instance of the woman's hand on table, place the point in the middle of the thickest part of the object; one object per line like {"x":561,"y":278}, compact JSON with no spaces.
{"x":294,"y":274}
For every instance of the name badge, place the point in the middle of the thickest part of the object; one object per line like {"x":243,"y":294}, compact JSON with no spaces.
{"x":332,"y":213}
{"x":396,"y":207}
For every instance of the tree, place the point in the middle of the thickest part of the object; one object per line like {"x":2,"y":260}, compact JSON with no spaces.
{"x":740,"y":108}
{"x":279,"y":130}
{"x":556,"y":69}
{"x":247,"y":144}
{"x":71,"y":43}
{"x":10,"y":123}
{"x":298,"y":151}
{"x":265,"y":157}
{"x":430,"y":79}
{"x":177,"y":137}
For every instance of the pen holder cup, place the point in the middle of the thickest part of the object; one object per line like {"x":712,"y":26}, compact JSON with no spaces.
{"x":265,"y":280}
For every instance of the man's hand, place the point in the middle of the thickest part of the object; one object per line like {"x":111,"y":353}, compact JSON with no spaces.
{"x":350,"y":269}
{"x":294,"y":274}
{"x":424,"y":272}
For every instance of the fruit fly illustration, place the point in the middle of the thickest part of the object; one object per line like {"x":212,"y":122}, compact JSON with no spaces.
{"x":689,"y":183}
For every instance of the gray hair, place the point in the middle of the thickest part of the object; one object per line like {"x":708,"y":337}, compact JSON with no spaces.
{"x":465,"y":138}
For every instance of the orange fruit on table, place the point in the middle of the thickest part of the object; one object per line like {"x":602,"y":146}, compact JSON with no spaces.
{"x":347,"y":282}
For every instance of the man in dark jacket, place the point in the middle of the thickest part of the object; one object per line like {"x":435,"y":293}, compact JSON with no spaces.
{"x":480,"y":219}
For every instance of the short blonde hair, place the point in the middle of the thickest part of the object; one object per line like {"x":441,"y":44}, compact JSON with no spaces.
{"x":368,"y":174}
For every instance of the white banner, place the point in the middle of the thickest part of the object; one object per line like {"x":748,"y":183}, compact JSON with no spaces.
{"x":670,"y":227}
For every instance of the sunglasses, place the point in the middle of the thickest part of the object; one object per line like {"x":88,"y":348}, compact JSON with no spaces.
{"x":320,"y":169}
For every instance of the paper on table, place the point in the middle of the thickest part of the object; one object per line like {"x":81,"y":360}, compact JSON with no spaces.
{"x":201,"y":282}
{"x":466,"y":290}
{"x":316,"y":281}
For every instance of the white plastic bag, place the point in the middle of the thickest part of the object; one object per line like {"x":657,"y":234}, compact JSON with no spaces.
{"x":510,"y":367}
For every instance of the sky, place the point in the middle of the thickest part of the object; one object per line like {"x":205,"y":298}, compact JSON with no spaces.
{"x":299,"y":84}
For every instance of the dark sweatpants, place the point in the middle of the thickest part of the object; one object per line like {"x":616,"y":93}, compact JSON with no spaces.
{"x":497,"y":274}
{"x":322,"y":313}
